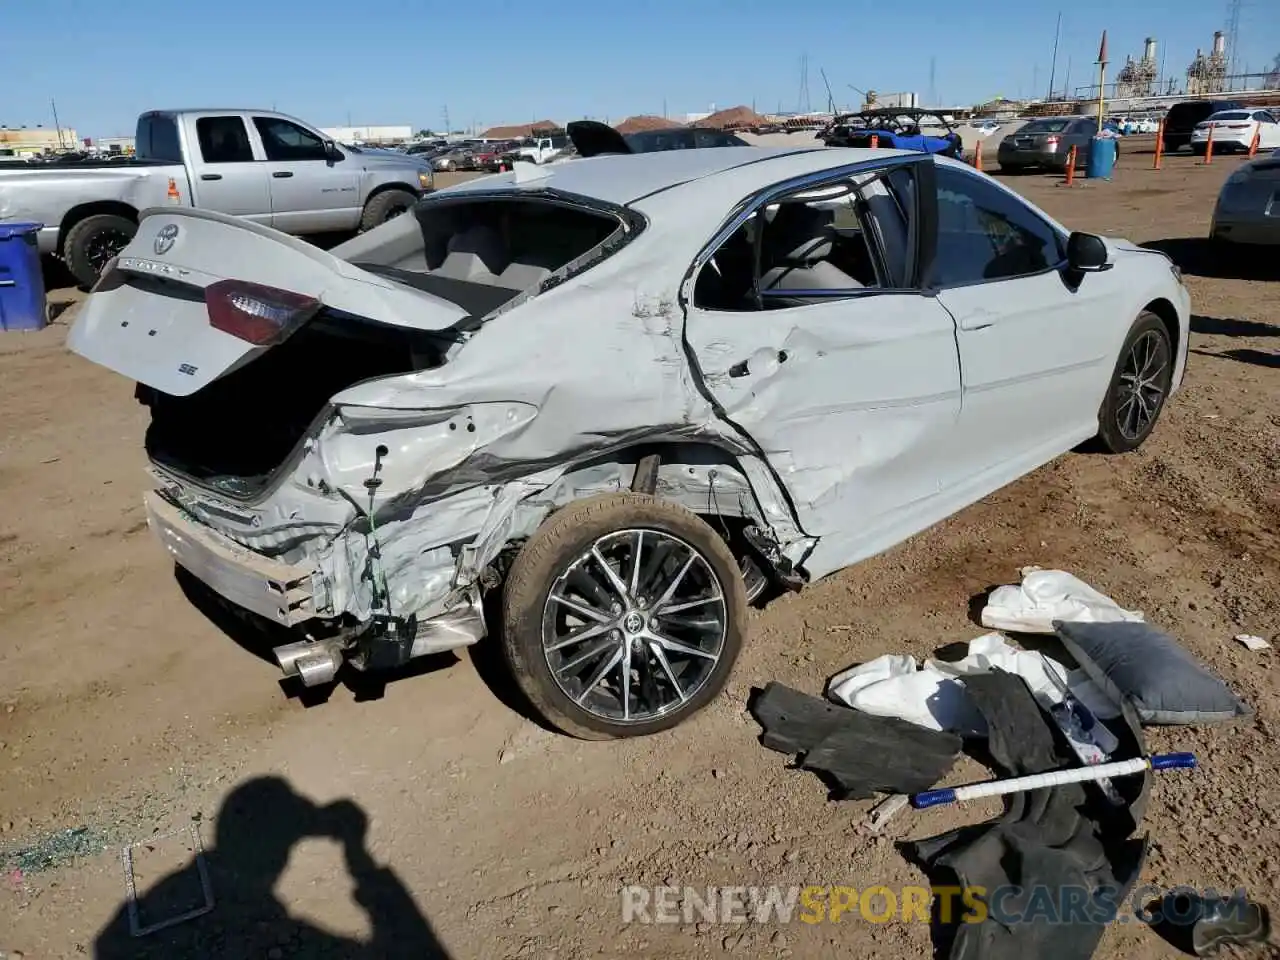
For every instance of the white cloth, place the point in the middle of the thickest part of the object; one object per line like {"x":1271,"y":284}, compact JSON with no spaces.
{"x":1048,"y":595}
{"x":933,"y":694}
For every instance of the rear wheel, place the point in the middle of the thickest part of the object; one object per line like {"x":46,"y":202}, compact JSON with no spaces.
{"x":386,"y":206}
{"x":622,"y":616}
{"x":1139,"y":386}
{"x":92,"y":242}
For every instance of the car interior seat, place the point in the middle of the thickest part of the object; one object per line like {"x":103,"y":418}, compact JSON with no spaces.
{"x":795,"y":248}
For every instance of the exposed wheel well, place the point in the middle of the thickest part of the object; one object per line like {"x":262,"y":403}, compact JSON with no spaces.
{"x":84,"y":210}
{"x":1169,"y":317}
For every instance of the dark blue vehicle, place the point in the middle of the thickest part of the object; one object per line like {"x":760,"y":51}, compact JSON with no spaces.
{"x":897,"y":128}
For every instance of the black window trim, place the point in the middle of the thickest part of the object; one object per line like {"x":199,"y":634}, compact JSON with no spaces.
{"x":1057,"y":267}
{"x":758,"y":201}
{"x":266,"y":150}
{"x":244,"y":126}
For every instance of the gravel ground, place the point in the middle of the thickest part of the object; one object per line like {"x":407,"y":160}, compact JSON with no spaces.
{"x":127,"y":713}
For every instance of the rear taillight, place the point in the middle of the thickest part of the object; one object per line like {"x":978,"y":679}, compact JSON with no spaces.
{"x":255,"y":313}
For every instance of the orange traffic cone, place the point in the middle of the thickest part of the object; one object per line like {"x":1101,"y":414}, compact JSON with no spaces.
{"x":1071,"y":167}
{"x":172,"y":196}
{"x":977,"y":157}
{"x":1253,"y":144}
{"x":875,"y":142}
{"x":1159,"y":145}
{"x":1208,"y":148}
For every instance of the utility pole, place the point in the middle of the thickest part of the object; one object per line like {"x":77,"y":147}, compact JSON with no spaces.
{"x":447,"y":129}
{"x":1053,"y":66}
{"x":1102,"y":79}
{"x":933,"y":81}
{"x":1066,"y":92}
{"x":664,"y":108}
{"x":56,"y":125}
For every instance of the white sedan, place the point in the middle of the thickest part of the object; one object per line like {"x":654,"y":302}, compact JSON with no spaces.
{"x":1235,"y":130}
{"x":625,"y":394}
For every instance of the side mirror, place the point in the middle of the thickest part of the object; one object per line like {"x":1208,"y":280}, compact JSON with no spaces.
{"x":1086,"y":253}
{"x":332,"y":152}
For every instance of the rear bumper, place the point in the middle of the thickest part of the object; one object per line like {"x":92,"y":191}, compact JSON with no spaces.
{"x":281,"y":592}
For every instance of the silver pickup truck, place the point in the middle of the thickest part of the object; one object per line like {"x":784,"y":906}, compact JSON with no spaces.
{"x":256,"y":164}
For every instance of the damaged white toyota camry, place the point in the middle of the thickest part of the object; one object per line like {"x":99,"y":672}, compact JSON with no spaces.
{"x":631,"y":393}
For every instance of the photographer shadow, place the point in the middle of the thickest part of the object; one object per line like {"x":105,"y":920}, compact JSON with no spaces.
{"x":256,"y":829}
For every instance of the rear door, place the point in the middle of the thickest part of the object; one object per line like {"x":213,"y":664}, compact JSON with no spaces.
{"x":227,"y":175}
{"x":311,"y":191}
{"x":828,"y":357}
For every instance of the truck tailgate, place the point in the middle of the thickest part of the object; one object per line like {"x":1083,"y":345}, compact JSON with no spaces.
{"x":148,"y":319}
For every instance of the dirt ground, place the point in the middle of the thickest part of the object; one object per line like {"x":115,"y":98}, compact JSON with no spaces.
{"x":126,"y":712}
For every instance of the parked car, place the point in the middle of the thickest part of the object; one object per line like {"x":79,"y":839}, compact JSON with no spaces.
{"x":554,"y":395}
{"x":458,"y":158}
{"x":1235,"y":130}
{"x":1246,"y":210}
{"x":265,"y":166}
{"x":1046,"y":143}
{"x":895,"y":128}
{"x":984,"y":128}
{"x":1180,"y":122}
{"x":494,"y":156}
{"x":591,"y":138}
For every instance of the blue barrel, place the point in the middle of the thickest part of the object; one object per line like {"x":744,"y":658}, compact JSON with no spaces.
{"x":1102,"y":158}
{"x":22,"y":303}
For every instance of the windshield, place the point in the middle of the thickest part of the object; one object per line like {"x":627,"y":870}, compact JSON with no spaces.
{"x":1230,"y":115}
{"x":1045,"y":126}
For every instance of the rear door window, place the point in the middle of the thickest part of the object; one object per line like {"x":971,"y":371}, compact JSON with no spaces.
{"x":223,"y":140}
{"x":157,"y":138}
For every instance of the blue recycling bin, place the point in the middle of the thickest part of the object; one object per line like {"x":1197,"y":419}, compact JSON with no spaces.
{"x":22,"y":302}
{"x":1102,"y":158}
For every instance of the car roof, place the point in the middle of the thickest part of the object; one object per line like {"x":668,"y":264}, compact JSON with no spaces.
{"x":625,"y":178}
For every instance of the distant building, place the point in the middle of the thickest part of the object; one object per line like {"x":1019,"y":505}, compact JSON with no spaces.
{"x":110,"y":144}
{"x":32,"y":141}
{"x":375,"y":134}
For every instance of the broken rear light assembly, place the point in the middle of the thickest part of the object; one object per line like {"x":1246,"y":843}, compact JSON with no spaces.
{"x":255,"y":313}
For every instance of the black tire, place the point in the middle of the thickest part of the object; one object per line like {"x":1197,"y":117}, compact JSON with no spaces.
{"x":386,"y":206}
{"x":92,"y":242}
{"x":1117,"y":430}
{"x":554,"y":549}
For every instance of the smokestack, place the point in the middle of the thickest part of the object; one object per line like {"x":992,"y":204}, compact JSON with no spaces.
{"x":1149,"y":49}
{"x":1219,"y":43}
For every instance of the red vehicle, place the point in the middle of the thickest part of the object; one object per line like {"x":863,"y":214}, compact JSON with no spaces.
{"x":490,"y":157}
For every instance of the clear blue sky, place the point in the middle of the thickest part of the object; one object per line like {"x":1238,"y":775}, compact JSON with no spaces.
{"x":494,"y":61}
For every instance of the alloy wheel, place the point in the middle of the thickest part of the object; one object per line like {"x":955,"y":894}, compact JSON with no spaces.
{"x":634,"y":626}
{"x":1140,"y":390}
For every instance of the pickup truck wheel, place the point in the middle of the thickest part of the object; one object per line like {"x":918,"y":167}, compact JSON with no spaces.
{"x":622,"y":616}
{"x":386,"y":206}
{"x":92,"y":242}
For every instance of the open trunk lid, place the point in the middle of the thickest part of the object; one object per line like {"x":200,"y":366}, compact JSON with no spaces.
{"x":148,"y":318}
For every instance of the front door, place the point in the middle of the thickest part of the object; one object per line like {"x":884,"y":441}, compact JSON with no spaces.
{"x":311,"y":191}
{"x":1036,"y":352}
{"x":830,"y":360}
{"x":228,"y":177}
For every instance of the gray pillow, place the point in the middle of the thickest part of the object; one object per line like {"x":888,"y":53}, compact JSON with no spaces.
{"x":1140,"y":664}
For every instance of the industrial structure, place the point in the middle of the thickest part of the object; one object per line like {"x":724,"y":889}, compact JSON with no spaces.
{"x":1137,"y":78}
{"x":34,"y":141}
{"x":371,"y":135}
{"x":1209,"y":74}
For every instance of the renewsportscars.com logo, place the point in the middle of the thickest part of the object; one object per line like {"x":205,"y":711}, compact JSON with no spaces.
{"x":775,"y":904}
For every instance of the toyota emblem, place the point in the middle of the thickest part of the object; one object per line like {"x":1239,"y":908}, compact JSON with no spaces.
{"x":165,"y":239}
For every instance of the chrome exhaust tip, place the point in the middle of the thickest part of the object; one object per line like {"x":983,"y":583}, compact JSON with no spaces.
{"x":313,"y":662}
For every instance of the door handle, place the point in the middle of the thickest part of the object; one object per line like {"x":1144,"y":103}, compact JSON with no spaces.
{"x":743,"y":367}
{"x":210,"y":176}
{"x":281,"y":174}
